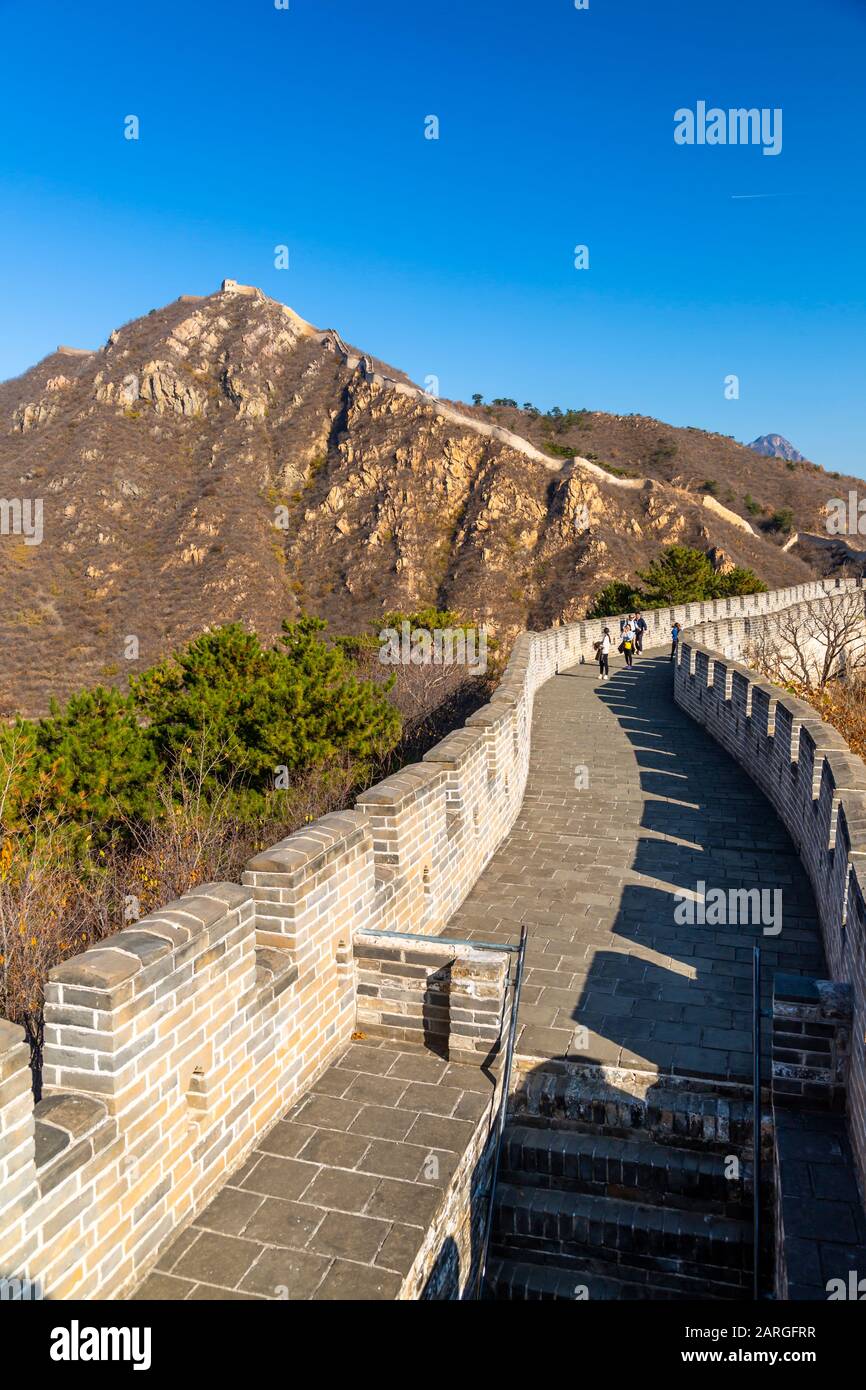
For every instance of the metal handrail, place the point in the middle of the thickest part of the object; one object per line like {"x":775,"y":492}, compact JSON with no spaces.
{"x":756,"y":1120}
{"x":503,"y":1106}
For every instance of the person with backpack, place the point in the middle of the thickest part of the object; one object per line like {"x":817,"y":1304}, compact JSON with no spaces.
{"x":626,"y":646}
{"x":675,"y":640}
{"x":602,"y":651}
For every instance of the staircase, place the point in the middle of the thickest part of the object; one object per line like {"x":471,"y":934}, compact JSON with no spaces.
{"x":623,"y":1200}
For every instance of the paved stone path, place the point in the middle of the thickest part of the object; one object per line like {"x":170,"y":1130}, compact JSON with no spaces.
{"x":593,"y":869}
{"x":628,"y":802}
{"x":336,"y":1199}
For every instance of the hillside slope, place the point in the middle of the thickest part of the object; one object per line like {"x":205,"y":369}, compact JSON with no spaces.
{"x":221,"y":459}
{"x":688,"y":458}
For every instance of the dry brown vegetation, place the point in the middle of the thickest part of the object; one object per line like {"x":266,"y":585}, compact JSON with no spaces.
{"x":810,"y":647}
{"x":842,"y":704}
{"x":53,"y":905}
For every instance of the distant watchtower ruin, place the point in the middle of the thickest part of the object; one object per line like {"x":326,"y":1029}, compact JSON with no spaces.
{"x":232,"y":287}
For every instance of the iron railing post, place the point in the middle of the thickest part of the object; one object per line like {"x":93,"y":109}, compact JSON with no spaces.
{"x":503,"y":1107}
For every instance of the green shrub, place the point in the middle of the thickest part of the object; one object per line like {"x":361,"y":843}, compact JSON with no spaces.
{"x":430,"y":619}
{"x":781,"y":521}
{"x":610,"y":467}
{"x":91,"y":764}
{"x":615,"y":597}
{"x":738,"y":581}
{"x":241,"y":710}
{"x":679,"y":575}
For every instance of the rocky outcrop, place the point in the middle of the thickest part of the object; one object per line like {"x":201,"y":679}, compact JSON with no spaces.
{"x":222,"y":459}
{"x":169,"y":391}
{"x":32,"y":414}
{"x":720,"y":560}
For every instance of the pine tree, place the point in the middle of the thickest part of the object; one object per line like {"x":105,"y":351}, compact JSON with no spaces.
{"x":90,"y":764}
{"x":679,"y":575}
{"x":241,"y":711}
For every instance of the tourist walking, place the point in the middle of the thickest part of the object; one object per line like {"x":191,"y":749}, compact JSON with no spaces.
{"x":675,"y":640}
{"x":626,"y":646}
{"x":602,"y":651}
{"x":640,"y":628}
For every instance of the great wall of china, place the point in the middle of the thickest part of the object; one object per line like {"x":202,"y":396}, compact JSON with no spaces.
{"x":174,"y":1048}
{"x":363,"y":364}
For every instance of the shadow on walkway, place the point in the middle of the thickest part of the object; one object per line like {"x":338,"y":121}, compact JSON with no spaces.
{"x":628,"y":804}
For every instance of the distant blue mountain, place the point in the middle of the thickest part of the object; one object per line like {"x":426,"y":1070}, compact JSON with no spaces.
{"x":776,"y":446}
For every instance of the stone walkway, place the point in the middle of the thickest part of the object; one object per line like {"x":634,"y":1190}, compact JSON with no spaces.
{"x":336,"y":1200}
{"x":629,"y":802}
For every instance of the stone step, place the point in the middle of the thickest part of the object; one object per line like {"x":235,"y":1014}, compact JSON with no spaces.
{"x":590,"y":1099}
{"x":571,"y":1227}
{"x":521,"y":1280}
{"x":633,"y":1169}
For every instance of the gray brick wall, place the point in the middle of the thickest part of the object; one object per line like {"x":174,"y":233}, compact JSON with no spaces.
{"x":452,"y":997}
{"x":174,"y":1044}
{"x":818,"y":788}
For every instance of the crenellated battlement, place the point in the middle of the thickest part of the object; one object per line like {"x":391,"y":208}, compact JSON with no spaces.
{"x":172,"y":1046}
{"x":818,"y":788}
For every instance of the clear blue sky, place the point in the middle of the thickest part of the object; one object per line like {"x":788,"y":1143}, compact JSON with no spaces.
{"x":454,"y":257}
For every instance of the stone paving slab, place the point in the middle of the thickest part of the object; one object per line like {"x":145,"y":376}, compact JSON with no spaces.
{"x":336,"y":1200}
{"x":593,"y":870}
{"x":823,"y":1227}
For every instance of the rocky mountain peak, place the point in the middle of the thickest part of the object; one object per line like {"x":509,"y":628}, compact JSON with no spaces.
{"x":776,"y":446}
{"x":222,"y":459}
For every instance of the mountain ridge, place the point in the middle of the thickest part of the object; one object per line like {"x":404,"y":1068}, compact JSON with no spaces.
{"x":222,"y":459}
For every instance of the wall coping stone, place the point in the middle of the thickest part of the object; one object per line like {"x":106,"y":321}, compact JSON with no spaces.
{"x":455,"y":749}
{"x":97,"y":969}
{"x":12,"y":1036}
{"x":401,"y":786}
{"x":301,"y":853}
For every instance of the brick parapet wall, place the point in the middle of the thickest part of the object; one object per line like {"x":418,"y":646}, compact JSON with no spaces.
{"x":818,"y":788}
{"x":169,"y":1049}
{"x":173,"y":1045}
{"x":811,"y":1041}
{"x":451,"y":996}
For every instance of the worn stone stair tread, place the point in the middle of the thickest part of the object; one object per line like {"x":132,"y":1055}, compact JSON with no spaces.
{"x":571,"y":1098}
{"x":519,"y":1280}
{"x":613,"y":1227}
{"x":578,"y":1160}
